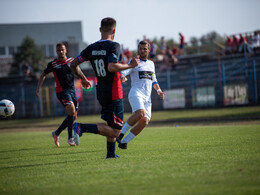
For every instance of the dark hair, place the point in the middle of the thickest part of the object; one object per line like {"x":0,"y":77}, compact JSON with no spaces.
{"x":108,"y":24}
{"x":61,"y":44}
{"x":144,"y":42}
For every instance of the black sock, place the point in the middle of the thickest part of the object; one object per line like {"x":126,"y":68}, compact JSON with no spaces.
{"x":70,"y":124}
{"x":63,"y":126}
{"x":111,"y":149}
{"x":89,"y":128}
{"x":121,"y":136}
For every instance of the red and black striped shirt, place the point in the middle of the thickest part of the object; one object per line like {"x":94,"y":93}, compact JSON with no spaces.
{"x":63,"y":75}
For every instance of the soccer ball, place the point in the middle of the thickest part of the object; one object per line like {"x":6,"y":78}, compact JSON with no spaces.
{"x":6,"y":108}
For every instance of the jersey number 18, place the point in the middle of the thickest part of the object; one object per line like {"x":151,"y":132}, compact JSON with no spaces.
{"x":100,"y":67}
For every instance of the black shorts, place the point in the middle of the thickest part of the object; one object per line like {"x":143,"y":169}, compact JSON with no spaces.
{"x":68,"y":97}
{"x":113,"y":114}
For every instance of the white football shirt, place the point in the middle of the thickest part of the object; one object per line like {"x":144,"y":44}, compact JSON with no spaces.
{"x":142,"y":79}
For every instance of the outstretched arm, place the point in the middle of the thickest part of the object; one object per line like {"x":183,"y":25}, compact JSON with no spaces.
{"x":40,"y":82}
{"x":79,"y":74}
{"x":117,"y":67}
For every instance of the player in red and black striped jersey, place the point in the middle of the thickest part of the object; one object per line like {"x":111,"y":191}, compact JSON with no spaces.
{"x":65,"y":90}
{"x":104,"y":57}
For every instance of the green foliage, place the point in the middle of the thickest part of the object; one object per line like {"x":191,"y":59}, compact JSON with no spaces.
{"x":164,"y":160}
{"x":28,"y":53}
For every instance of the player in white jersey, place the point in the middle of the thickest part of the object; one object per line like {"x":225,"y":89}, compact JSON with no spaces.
{"x":143,"y":78}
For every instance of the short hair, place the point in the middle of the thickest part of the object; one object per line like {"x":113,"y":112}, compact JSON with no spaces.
{"x":61,"y":44}
{"x":144,"y":42}
{"x":108,"y":24}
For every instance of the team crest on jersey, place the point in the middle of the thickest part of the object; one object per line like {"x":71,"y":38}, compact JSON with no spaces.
{"x":146,"y":75}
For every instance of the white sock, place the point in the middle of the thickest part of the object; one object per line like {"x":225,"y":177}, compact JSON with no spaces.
{"x":128,"y":137}
{"x":125,"y":128}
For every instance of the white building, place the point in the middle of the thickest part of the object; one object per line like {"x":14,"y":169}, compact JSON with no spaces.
{"x":45,"y":35}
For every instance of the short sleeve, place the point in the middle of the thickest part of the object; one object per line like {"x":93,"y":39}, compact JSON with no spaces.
{"x":84,"y":55}
{"x":114,"y":56}
{"x":48,"y":69}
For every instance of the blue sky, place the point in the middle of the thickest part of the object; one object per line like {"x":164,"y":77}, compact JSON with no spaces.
{"x":136,"y":18}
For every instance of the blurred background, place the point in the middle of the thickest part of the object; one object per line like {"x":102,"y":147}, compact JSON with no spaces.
{"x":206,"y":52}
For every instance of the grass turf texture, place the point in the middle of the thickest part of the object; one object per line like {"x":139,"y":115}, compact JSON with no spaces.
{"x":156,"y":116}
{"x":167,"y":160}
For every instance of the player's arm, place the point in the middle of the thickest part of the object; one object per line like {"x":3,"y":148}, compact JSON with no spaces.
{"x":79,"y":74}
{"x":117,"y":67}
{"x":158,"y":89}
{"x":40,"y":82}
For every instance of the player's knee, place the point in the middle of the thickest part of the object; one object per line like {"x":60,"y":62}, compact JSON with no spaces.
{"x":140,"y":113}
{"x":146,"y":121}
{"x":116,"y":132}
{"x":72,"y":113}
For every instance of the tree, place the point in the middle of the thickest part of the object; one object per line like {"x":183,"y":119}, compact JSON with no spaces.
{"x":29,"y":53}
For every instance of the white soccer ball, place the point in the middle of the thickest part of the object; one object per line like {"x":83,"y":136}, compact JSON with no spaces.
{"x":6,"y":108}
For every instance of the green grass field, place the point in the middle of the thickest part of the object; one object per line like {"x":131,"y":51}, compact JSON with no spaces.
{"x":253,"y":111}
{"x":166,"y":160}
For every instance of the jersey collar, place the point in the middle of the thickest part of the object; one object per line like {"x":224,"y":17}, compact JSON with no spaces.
{"x":143,"y":60}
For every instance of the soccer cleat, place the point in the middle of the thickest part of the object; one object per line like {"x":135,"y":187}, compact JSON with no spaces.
{"x":77,"y":129}
{"x":76,"y":139}
{"x":71,"y":142}
{"x":115,"y":156}
{"x":56,"y":138}
{"x":122,"y":145}
{"x":119,"y":138}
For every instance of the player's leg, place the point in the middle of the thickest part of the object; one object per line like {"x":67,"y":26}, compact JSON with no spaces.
{"x":113,"y":115}
{"x":138,"y":109}
{"x":70,"y":108}
{"x":142,"y":123}
{"x":64,"y":124}
{"x":66,"y":98}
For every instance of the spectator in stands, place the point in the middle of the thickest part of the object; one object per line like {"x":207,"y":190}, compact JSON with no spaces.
{"x":162,"y":46}
{"x":182,"y":43}
{"x":254,"y":42}
{"x":228,"y":45}
{"x":153,"y":50}
{"x":242,"y":43}
{"x":235,"y":44}
{"x":27,"y":70}
{"x":169,"y":60}
{"x":174,"y":50}
{"x":128,"y":54}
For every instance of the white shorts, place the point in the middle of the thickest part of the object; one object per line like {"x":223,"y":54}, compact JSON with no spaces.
{"x":138,"y":103}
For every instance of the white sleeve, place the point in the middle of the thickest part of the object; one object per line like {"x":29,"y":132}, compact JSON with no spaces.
{"x":127,"y":71}
{"x":154,"y":79}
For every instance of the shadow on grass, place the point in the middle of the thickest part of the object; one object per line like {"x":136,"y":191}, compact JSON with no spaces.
{"x":66,"y":153}
{"x":18,"y":150}
{"x":41,"y":164}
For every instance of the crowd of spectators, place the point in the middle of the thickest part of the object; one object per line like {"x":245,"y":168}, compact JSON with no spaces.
{"x":160,"y":52}
{"x":248,"y":42}
{"x":169,"y":54}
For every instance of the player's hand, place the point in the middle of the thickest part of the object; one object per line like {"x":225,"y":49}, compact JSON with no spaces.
{"x":37,"y":93}
{"x":161,"y":94}
{"x":134,"y":61}
{"x":123,"y":77}
{"x":86,"y":84}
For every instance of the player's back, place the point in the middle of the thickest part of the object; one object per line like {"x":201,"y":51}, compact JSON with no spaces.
{"x":100,"y":54}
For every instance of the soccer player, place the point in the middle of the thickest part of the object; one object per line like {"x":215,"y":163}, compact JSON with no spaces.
{"x":65,"y":90}
{"x":104,"y":57}
{"x":143,"y":78}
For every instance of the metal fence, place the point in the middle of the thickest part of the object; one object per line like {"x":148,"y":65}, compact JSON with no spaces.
{"x":229,"y":82}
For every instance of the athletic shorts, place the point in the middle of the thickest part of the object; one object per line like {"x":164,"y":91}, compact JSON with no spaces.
{"x":113,"y":114}
{"x":68,"y":97}
{"x":138,"y":103}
